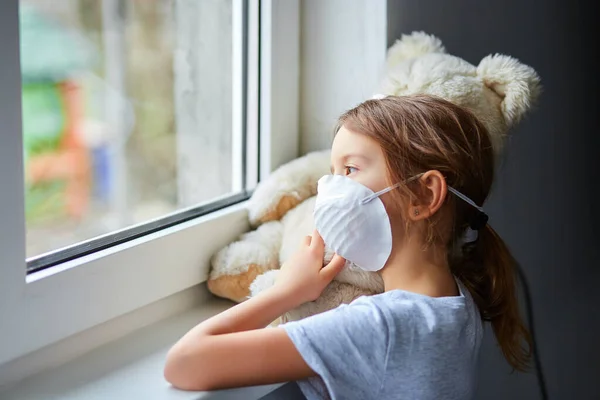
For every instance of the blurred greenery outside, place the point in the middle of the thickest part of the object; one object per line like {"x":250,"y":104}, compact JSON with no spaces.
{"x":63,"y":42}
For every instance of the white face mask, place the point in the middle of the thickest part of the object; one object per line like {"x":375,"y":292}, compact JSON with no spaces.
{"x":353,"y":222}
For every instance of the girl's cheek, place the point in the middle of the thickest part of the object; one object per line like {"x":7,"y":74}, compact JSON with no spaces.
{"x":392,"y":207}
{"x":372,"y":180}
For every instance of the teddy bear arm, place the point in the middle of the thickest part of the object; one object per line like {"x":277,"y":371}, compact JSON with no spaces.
{"x":335,"y":293}
{"x":236,"y":266}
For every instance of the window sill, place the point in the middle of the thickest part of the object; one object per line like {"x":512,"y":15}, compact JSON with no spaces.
{"x":130,"y":367}
{"x":137,"y":273}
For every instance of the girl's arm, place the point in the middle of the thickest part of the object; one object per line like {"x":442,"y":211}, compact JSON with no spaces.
{"x":231,"y":349}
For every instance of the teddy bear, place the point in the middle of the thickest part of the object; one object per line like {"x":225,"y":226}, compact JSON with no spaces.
{"x":500,"y":91}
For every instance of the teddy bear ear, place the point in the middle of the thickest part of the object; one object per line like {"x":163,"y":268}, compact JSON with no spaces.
{"x":517,"y":84}
{"x":413,"y":45}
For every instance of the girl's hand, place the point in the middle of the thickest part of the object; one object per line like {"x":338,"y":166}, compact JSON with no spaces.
{"x":303,"y":276}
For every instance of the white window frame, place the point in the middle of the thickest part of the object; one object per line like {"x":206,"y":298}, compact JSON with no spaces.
{"x":42,"y":308}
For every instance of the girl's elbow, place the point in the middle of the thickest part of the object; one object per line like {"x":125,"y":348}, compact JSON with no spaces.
{"x":173,"y":371}
{"x":182,"y":382}
{"x":181,"y":374}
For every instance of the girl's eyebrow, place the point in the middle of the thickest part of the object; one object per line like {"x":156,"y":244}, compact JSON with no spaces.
{"x":360,"y":156}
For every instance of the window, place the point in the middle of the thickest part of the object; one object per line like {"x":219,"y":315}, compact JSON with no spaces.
{"x":106,"y":267}
{"x":130,"y":115}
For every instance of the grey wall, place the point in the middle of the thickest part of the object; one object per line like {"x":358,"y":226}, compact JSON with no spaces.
{"x":342,"y":47}
{"x":545,"y":202}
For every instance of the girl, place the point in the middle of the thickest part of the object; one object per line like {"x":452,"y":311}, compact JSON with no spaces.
{"x":417,"y":168}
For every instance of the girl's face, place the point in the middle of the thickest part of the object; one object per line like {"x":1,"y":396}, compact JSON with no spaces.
{"x":360,"y":158}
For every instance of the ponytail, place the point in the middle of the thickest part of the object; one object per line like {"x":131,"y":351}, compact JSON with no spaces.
{"x":488,"y":270}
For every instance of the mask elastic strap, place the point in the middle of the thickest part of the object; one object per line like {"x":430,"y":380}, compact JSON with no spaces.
{"x":478,"y":221}
{"x":480,"y":218}
{"x":464,"y":198}
{"x":377,"y":194}
{"x":388,"y":189}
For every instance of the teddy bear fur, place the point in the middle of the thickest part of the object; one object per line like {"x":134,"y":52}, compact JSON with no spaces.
{"x":500,"y":90}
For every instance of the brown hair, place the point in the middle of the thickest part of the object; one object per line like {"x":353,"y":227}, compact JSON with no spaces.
{"x":420,"y":133}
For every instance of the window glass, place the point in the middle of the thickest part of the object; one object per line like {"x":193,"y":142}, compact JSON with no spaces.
{"x":127,"y":113}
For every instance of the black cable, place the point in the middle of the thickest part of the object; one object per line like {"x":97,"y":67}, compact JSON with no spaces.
{"x":528,"y":305}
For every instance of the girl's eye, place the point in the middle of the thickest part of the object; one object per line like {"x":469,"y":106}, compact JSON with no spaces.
{"x":350,"y":170}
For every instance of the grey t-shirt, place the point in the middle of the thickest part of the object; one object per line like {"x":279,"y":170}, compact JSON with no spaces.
{"x":395,"y":345}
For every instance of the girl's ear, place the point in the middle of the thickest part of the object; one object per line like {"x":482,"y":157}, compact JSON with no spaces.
{"x":433,"y":191}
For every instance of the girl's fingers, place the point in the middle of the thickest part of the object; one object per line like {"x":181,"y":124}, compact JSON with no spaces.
{"x":317,"y":241}
{"x":306,"y":241}
{"x":334,"y":267}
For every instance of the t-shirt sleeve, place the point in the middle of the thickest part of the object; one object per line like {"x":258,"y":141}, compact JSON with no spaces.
{"x":347,"y":347}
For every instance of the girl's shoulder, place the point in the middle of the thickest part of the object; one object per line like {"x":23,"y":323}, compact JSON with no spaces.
{"x":403,"y":308}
